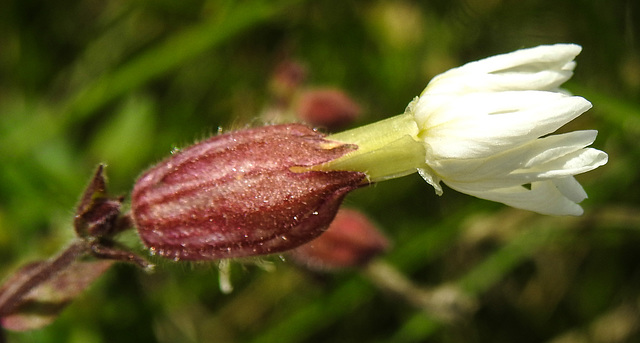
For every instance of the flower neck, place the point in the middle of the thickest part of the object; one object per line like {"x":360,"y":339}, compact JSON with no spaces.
{"x":386,"y":149}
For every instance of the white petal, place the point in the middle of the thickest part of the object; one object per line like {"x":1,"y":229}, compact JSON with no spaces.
{"x":483,"y":124}
{"x":543,"y":57}
{"x":574,"y":163}
{"x":541,"y":68}
{"x":519,"y":177}
{"x":544,"y":197}
{"x":432,"y":178}
{"x":571,"y":188}
{"x":551,"y":147}
{"x":546,"y":80}
{"x":554,"y":156}
{"x":436,"y":110}
{"x":528,"y":155}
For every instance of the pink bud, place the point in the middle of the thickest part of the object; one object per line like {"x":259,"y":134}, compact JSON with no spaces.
{"x":329,"y":108}
{"x":235,"y":194}
{"x":351,"y":240}
{"x":288,"y":76}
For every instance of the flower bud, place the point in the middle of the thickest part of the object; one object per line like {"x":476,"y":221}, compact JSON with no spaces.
{"x":330,"y":108}
{"x":287,"y":78}
{"x":351,"y":240}
{"x":237,"y":194}
{"x":97,"y":214}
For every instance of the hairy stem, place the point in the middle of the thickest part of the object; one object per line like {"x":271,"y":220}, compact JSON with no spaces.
{"x":13,"y":293}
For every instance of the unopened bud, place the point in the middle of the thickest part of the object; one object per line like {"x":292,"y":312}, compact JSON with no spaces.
{"x":329,"y":108}
{"x":97,"y":214}
{"x":351,"y":240}
{"x":287,"y":79}
{"x":237,"y":194}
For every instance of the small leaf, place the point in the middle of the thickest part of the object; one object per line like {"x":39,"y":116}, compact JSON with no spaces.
{"x":43,"y":304}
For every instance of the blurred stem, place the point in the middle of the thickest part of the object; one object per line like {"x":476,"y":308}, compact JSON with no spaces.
{"x":445,"y":303}
{"x":16,"y":290}
{"x":108,"y":249}
{"x":625,"y":318}
{"x":301,"y":321}
{"x":537,"y":232}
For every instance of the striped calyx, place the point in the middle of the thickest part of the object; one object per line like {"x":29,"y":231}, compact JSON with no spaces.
{"x":236,"y":194}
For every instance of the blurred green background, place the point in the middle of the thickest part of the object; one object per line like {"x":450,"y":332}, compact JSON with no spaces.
{"x":125,"y":82}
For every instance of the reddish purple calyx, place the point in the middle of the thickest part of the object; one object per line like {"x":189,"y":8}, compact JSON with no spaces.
{"x":235,"y":194}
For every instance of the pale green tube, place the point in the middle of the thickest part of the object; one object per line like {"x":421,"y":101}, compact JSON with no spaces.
{"x":386,"y":149}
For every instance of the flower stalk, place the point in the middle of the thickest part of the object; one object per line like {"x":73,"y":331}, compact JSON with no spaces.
{"x":12,"y":294}
{"x":36,"y":294}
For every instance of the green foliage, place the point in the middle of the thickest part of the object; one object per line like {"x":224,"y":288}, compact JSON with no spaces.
{"x":125,"y":82}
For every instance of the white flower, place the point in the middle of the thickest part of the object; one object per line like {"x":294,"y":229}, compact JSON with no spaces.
{"x":484,"y":130}
{"x":482,"y":125}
